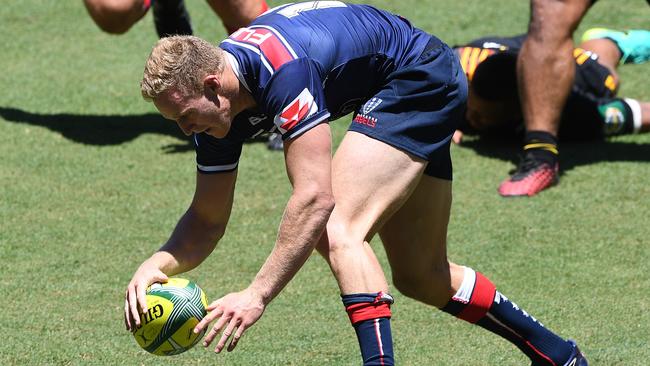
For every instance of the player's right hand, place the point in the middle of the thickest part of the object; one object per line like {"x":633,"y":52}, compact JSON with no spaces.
{"x":135,"y":297}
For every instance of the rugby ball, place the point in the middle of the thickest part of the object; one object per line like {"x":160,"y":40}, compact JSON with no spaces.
{"x":173,"y":310}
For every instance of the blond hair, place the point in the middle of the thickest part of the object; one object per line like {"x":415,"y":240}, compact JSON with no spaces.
{"x":180,"y":62}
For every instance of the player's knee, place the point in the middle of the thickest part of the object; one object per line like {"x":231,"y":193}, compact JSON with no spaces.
{"x":431,"y":285}
{"x":341,"y":240}
{"x":114,"y":16}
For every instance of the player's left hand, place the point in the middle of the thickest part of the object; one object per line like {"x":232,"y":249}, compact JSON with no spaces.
{"x":235,"y":312}
{"x":458,"y":137}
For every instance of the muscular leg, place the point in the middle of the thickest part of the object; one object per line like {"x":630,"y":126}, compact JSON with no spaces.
{"x":415,"y":241}
{"x":367,"y":191}
{"x":237,"y":13}
{"x":545,"y":71}
{"x":545,"y":65}
{"x":116,"y":16}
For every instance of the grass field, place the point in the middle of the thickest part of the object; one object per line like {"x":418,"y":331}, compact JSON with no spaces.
{"x":92,"y":181}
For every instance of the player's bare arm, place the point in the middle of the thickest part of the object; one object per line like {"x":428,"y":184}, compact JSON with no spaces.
{"x":308,"y":161}
{"x":194,"y":238}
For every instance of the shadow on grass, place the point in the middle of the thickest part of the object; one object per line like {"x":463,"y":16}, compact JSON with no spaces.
{"x":105,"y":130}
{"x":572,"y":154}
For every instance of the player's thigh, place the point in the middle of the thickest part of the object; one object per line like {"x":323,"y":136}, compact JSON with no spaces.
{"x":370,"y":180}
{"x":415,"y":239}
{"x":556,"y":19}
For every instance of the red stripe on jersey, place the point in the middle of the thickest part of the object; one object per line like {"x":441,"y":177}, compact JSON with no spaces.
{"x":270,"y":45}
{"x":480,"y":301}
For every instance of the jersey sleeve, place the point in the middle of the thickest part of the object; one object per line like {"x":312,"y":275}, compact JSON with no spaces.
{"x":295,"y":99}
{"x":215,"y":155}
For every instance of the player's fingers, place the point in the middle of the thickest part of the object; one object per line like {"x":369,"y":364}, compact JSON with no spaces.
{"x":226,"y":334}
{"x":133,"y":306}
{"x":212,"y":315}
{"x":127,"y":321}
{"x":216,"y":329}
{"x":235,"y":338}
{"x":141,"y":293}
{"x":213,"y":305}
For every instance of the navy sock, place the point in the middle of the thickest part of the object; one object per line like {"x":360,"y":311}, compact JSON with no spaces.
{"x":370,"y":316}
{"x":478,"y":302}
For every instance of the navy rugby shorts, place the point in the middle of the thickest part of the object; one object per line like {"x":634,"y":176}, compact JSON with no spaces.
{"x":418,"y":108}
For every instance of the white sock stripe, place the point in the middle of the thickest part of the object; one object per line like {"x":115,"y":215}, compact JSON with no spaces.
{"x":636,"y":113}
{"x":466,"y":289}
{"x":378,"y":334}
{"x":496,"y":321}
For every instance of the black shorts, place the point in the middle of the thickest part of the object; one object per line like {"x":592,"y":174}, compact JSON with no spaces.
{"x":593,"y":86}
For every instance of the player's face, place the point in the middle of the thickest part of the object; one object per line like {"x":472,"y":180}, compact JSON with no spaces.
{"x":484,"y":115}
{"x":207,"y":112}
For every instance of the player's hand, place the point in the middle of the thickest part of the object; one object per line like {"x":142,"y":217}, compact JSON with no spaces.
{"x":235,"y":312}
{"x":458,"y":137}
{"x":135,"y":296}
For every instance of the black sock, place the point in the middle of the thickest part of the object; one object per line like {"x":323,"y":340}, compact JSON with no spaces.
{"x":542,"y":146}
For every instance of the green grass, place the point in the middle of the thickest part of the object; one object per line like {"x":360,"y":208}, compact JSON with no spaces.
{"x":92,"y":181}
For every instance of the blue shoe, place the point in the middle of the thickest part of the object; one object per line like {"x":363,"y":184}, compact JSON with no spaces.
{"x":634,"y":44}
{"x":577,"y":358}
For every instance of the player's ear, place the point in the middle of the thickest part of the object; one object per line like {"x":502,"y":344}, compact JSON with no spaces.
{"x":212,"y":82}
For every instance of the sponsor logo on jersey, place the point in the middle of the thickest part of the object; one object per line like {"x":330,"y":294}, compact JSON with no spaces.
{"x":253,"y":120}
{"x":299,"y":109}
{"x":273,"y":49}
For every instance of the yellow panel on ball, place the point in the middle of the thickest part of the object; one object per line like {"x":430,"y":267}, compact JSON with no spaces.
{"x":174,"y":308}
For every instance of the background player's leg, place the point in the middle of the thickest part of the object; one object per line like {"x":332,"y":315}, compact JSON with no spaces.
{"x":415,"y":241}
{"x":116,"y":16}
{"x":636,"y":114}
{"x":546,"y":70}
{"x":607,"y":51}
{"x":237,"y":13}
{"x":370,"y":181}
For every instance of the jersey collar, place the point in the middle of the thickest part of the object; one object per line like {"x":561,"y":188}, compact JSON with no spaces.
{"x":236,"y":69}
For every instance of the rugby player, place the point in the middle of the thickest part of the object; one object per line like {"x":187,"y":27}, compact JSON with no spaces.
{"x":294,"y":69}
{"x":593,"y":111}
{"x":546,"y":70}
{"x":170,"y":16}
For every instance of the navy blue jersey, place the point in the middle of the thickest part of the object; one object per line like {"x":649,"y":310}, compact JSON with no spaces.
{"x":308,"y":63}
